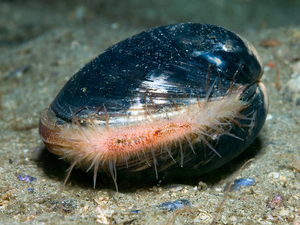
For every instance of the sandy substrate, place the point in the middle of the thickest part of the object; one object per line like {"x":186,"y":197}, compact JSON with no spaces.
{"x":35,"y":63}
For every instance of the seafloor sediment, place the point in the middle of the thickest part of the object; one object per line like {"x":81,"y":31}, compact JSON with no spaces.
{"x":35,"y":67}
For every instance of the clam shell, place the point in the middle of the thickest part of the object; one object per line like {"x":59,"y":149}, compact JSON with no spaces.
{"x":176,"y":100}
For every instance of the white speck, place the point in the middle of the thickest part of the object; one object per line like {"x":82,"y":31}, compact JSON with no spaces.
{"x":115,"y":25}
{"x":197,"y":53}
{"x":267,"y":68}
{"x":224,"y":47}
{"x":215,"y":60}
{"x":274,"y":175}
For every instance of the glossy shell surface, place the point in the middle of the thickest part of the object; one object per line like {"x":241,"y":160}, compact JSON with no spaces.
{"x":176,"y":100}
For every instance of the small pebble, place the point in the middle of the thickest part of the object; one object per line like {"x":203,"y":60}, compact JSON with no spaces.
{"x":291,"y":90}
{"x":202,"y":186}
{"x":274,"y":175}
{"x":174,"y":187}
{"x":276,"y":202}
{"x":18,"y":72}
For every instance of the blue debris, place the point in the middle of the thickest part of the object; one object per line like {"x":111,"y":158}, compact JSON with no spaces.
{"x":135,"y":211}
{"x":171,"y":206}
{"x":30,"y":190}
{"x":240,"y":183}
{"x":26,"y":178}
{"x":181,"y":203}
{"x":167,"y":206}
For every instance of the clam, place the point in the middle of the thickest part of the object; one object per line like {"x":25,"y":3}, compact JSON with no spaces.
{"x":174,"y":101}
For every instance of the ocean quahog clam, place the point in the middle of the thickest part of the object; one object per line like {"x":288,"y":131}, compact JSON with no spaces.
{"x":176,"y":100}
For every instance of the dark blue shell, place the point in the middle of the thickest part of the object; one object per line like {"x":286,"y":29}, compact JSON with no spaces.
{"x":191,"y":58}
{"x":182,"y":51}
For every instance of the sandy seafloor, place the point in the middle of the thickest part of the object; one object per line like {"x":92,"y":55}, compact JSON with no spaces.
{"x":43,"y":43}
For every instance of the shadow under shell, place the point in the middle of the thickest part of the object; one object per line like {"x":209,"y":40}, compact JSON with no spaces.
{"x":176,"y":100}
